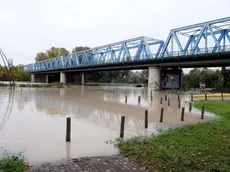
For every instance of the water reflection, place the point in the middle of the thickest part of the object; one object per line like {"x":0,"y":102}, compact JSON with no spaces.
{"x":8,"y":108}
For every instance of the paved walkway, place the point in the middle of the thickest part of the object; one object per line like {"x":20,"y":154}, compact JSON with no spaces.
{"x":116,"y":163}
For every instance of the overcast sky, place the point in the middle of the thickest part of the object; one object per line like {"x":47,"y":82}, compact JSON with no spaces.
{"x":31,"y":26}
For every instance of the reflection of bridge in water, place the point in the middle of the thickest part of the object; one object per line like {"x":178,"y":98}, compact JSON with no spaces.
{"x":62,"y":102}
{"x":8,"y":108}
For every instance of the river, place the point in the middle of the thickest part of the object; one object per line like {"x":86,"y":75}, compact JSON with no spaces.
{"x":33,"y":120}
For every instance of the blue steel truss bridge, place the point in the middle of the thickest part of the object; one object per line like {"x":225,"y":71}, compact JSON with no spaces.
{"x":205,"y":44}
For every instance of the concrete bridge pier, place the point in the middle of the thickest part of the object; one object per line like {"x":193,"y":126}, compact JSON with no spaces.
{"x":32,"y":78}
{"x":154,"y":78}
{"x":39,"y":78}
{"x":47,"y":79}
{"x":62,"y":77}
{"x":82,"y":78}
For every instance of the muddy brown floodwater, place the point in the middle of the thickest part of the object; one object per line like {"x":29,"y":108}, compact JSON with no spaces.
{"x":33,"y":120}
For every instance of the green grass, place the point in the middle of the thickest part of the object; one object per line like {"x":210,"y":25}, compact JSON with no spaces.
{"x":11,"y":163}
{"x":199,"y":147}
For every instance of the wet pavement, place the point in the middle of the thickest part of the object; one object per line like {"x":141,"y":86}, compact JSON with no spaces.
{"x":116,"y":163}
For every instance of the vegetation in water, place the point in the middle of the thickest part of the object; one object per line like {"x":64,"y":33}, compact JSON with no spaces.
{"x":11,"y":162}
{"x":199,"y":147}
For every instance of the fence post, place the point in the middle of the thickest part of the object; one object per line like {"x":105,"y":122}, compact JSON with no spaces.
{"x":162,"y":113}
{"x":122,"y":127}
{"x":146,"y":118}
{"x":182,"y":114}
{"x":68,"y":129}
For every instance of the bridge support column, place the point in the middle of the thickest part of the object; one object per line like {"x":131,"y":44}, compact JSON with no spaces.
{"x":82,"y":78}
{"x":154,"y":78}
{"x":47,"y":79}
{"x":32,"y":78}
{"x":62,"y":77}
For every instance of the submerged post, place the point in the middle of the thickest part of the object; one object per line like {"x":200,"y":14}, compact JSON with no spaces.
{"x":146,"y":118}
{"x":178,"y":97}
{"x":190,"y":106}
{"x":68,"y":129}
{"x":122,"y":127}
{"x":202,"y":111}
{"x":125,"y":99}
{"x":179,"y":104}
{"x":191,"y":97}
{"x":161,"y":100}
{"x":139,"y":99}
{"x":182,"y":114}
{"x":162,"y":113}
{"x":168,"y":101}
{"x":165,"y":97}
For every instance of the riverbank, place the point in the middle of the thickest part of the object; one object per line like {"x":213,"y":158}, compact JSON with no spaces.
{"x":199,"y":147}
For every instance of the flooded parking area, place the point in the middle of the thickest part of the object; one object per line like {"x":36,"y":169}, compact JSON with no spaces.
{"x":33,"y":120}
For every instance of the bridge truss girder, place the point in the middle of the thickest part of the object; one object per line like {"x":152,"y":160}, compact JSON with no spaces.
{"x":208,"y":37}
{"x":125,"y":51}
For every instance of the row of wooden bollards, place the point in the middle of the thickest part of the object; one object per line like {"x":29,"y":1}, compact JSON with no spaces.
{"x":206,"y":97}
{"x":161,"y":118}
{"x":122,"y":127}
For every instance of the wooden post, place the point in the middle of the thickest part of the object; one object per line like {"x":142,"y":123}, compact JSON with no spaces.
{"x":146,"y":118}
{"x":162,"y":113}
{"x":122,"y":127}
{"x":222,"y":96}
{"x":139,"y":99}
{"x":202,"y":111}
{"x":161,"y":100}
{"x":125,"y":99}
{"x":191,"y":97}
{"x":68,"y":129}
{"x":182,"y":114}
{"x":205,"y":96}
{"x":165,"y":97}
{"x":168,"y":101}
{"x":190,"y":106}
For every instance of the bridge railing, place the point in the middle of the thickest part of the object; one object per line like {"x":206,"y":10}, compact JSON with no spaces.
{"x":69,"y":60}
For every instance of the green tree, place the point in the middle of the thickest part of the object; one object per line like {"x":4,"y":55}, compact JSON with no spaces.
{"x":51,"y":53}
{"x":41,"y":56}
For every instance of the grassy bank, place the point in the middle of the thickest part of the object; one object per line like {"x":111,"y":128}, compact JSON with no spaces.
{"x":200,"y":147}
{"x":11,"y":163}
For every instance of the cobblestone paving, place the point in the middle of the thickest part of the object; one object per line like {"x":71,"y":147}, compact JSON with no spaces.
{"x":116,"y":163}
